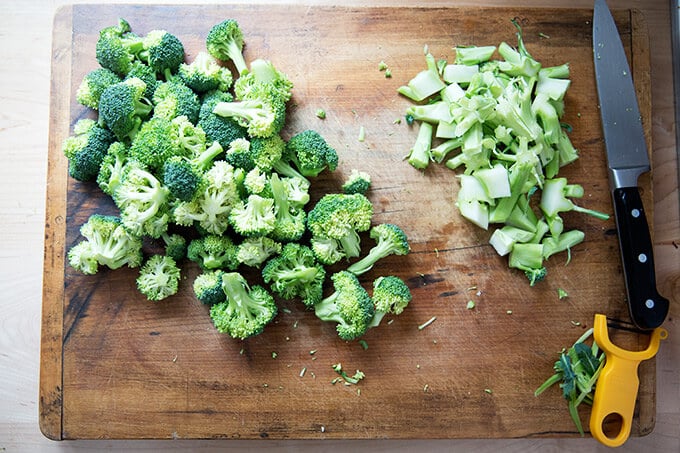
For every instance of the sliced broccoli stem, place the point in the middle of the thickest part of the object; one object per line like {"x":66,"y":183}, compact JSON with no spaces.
{"x":420,"y":153}
{"x":565,"y":241}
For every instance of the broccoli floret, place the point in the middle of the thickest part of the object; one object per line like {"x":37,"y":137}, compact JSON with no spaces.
{"x":225,"y":42}
{"x":191,"y":139}
{"x":158,"y":278}
{"x":175,"y":246}
{"x":213,"y":252}
{"x":205,"y":74}
{"x":146,"y":74}
{"x":218,"y":128}
{"x":391,"y":240}
{"x":208,"y":287}
{"x":212,"y":204}
{"x":296,"y":273}
{"x":298,"y":191}
{"x":161,"y":139}
{"x":309,"y":152}
{"x":143,"y":202}
{"x":86,"y":149}
{"x":290,"y":222}
{"x":156,"y":142}
{"x":112,"y":169}
{"x":117,"y":47}
{"x":262,"y":117}
{"x":238,"y":154}
{"x":340,"y":217}
{"x":253,"y":217}
{"x":327,"y":250}
{"x":255,"y":250}
{"x":107,"y":243}
{"x":246,"y":311}
{"x":267,"y":151}
{"x":172,"y":99}
{"x":163,"y":52}
{"x":263,"y":76}
{"x":184,"y":177}
{"x":122,"y":107}
{"x":256,"y":182}
{"x":390,"y":295}
{"x":93,"y":85}
{"x":256,"y":152}
{"x":349,"y":306}
{"x":357,"y":182}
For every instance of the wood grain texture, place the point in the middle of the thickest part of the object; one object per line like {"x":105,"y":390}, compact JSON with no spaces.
{"x":133,"y":369}
{"x":51,"y":403}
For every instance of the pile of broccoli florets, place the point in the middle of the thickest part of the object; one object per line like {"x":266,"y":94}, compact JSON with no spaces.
{"x":193,"y":157}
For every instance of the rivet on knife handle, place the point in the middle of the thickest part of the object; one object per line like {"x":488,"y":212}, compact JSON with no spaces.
{"x":647,"y":307}
{"x":617,"y":386}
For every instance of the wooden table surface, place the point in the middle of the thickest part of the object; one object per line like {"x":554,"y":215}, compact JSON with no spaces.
{"x":26,"y":32}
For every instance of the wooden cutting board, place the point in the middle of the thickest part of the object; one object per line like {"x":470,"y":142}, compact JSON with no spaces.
{"x":116,"y":366}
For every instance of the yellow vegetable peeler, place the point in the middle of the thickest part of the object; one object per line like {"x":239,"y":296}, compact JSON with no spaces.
{"x":617,"y":385}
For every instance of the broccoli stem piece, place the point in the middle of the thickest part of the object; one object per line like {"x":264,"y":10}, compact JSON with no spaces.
{"x":473,"y":55}
{"x":528,"y":258}
{"x":564,"y":241}
{"x":440,"y":151}
{"x":425,"y":83}
{"x":554,"y":199}
{"x":205,"y":159}
{"x":419,"y":157}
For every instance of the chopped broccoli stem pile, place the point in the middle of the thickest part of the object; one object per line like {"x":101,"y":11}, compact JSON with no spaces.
{"x":193,"y":156}
{"x":498,"y":122}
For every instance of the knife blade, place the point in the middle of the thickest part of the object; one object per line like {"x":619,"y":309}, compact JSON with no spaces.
{"x":627,"y":159}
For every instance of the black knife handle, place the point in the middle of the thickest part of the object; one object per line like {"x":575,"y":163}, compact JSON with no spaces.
{"x":647,"y":307}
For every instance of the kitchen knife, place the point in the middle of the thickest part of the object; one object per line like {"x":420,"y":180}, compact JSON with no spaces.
{"x":627,"y":159}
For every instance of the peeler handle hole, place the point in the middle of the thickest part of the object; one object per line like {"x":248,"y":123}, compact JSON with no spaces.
{"x":612,"y":425}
